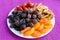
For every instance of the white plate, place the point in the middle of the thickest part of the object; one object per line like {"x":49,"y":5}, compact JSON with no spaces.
{"x":21,"y":35}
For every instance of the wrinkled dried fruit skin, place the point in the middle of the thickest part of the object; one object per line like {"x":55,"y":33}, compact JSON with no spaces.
{"x":43,"y":31}
{"x":26,"y":29}
{"x":41,"y":27}
{"x":29,"y":32}
{"x":36,"y":34}
{"x":37,"y":25}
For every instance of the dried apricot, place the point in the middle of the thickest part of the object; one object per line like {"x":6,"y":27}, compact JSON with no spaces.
{"x":41,"y":27}
{"x":48,"y":26}
{"x":36,"y":34}
{"x":44,"y":20}
{"x":43,"y":31}
{"x":29,"y":32}
{"x":37,"y":25}
{"x":28,"y":28}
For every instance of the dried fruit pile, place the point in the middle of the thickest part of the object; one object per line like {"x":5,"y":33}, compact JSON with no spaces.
{"x":30,"y":19}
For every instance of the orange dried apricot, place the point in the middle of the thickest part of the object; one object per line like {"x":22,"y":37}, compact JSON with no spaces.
{"x":28,"y":28}
{"x":41,"y":27}
{"x":44,"y":20}
{"x":36,"y":34}
{"x":47,"y":23}
{"x":37,"y":25}
{"x":48,"y":26}
{"x":29,"y":32}
{"x":43,"y":31}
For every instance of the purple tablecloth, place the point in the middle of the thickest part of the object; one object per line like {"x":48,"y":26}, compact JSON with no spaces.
{"x":7,"y":5}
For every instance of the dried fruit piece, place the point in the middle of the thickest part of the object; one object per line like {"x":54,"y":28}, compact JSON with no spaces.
{"x":41,"y":27}
{"x":37,"y":25}
{"x":29,"y":32}
{"x":26,"y":29}
{"x":29,"y":5}
{"x":34,"y":16}
{"x":21,"y":27}
{"x":43,"y":31}
{"x":45,"y":21}
{"x":18,"y":8}
{"x":36,"y":34}
{"x":22,"y":21}
{"x":17,"y":23}
{"x":23,"y":7}
{"x":29,"y":16}
{"x":31,"y":24}
{"x":34,"y":21}
{"x":48,"y":26}
{"x":23,"y":15}
{"x":27,"y":19}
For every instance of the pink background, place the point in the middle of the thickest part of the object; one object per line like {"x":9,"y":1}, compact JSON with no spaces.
{"x":7,"y":5}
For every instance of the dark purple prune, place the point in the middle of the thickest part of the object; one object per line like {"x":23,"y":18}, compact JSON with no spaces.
{"x":17,"y":28}
{"x":27,"y":24}
{"x":35,"y":12}
{"x":38,"y":19}
{"x":17,"y":23}
{"x":34,"y":16}
{"x":17,"y":18}
{"x":29,"y":16}
{"x":30,"y":24}
{"x":22,"y":21}
{"x":27,"y":19}
{"x":23,"y":15}
{"x":34,"y":21}
{"x":11,"y":18}
{"x":22,"y":27}
{"x":29,"y":10}
{"x":11,"y":21}
{"x":14,"y":13}
{"x":19,"y":12}
{"x":12,"y":25}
